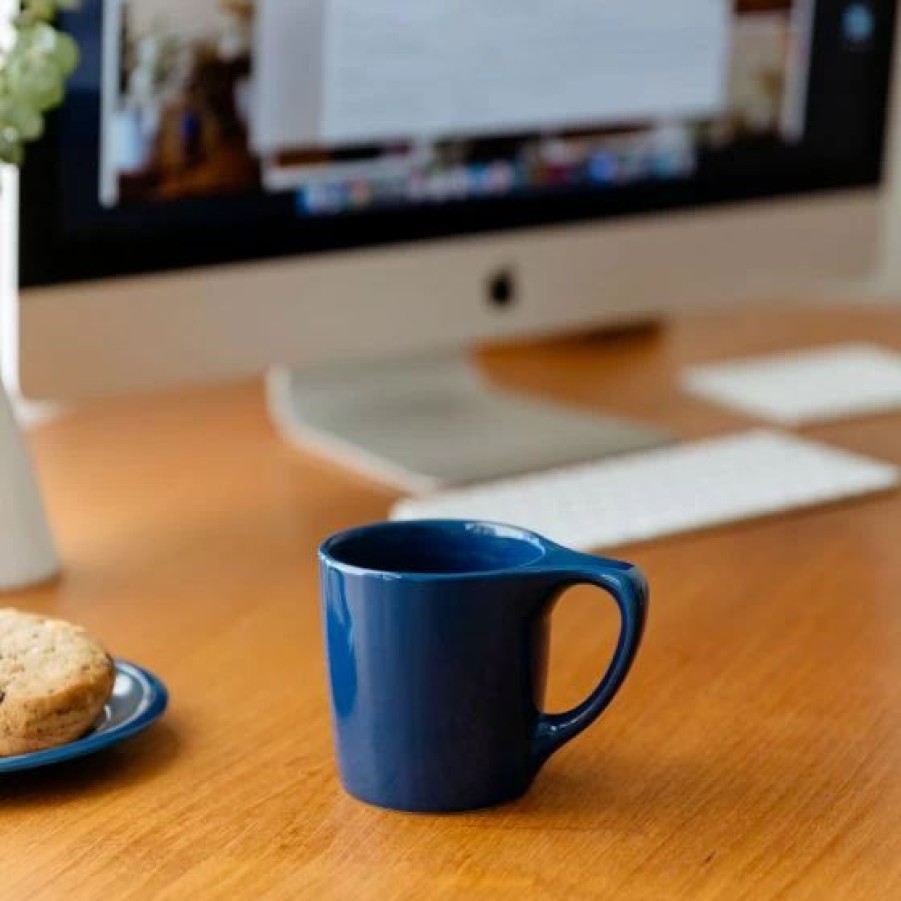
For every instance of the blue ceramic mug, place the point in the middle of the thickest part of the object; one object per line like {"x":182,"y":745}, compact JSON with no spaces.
{"x":437,"y":639}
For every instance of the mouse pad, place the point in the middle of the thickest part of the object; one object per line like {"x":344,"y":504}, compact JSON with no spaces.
{"x":835,"y":382}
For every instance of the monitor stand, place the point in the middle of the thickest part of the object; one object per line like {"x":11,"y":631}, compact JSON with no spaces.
{"x":426,"y":423}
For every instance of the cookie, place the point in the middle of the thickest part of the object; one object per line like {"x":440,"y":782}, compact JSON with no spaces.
{"x":54,"y":681}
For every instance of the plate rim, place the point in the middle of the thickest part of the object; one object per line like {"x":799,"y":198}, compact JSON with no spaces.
{"x":157,"y":698}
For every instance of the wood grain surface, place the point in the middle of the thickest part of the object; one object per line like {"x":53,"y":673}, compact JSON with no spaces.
{"x":754,"y":754}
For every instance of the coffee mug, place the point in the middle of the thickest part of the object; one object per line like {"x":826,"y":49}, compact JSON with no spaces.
{"x":437,"y":641}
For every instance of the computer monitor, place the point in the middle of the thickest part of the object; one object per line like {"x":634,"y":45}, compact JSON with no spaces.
{"x":235,"y":185}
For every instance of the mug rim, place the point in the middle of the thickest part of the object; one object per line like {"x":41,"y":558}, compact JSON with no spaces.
{"x":542,"y":545}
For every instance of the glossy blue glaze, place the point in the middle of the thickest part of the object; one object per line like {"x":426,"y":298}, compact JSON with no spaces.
{"x":437,"y":637}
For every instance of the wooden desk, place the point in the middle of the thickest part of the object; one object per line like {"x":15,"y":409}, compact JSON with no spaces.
{"x":755,"y":753}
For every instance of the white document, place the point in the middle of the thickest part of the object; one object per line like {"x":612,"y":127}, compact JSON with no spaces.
{"x":391,"y":69}
{"x":833,"y":383}
{"x":287,"y":74}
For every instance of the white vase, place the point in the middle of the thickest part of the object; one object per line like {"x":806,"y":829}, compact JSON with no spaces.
{"x":27,"y":552}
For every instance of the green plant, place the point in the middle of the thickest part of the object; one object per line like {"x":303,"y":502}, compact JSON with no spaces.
{"x":33,"y":72}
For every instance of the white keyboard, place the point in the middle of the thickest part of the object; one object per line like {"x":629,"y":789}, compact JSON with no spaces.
{"x":662,"y":492}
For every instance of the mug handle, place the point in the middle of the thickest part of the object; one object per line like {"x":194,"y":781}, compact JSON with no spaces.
{"x":629,"y":588}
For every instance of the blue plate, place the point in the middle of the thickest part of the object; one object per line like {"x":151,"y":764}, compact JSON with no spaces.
{"x":138,"y":700}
